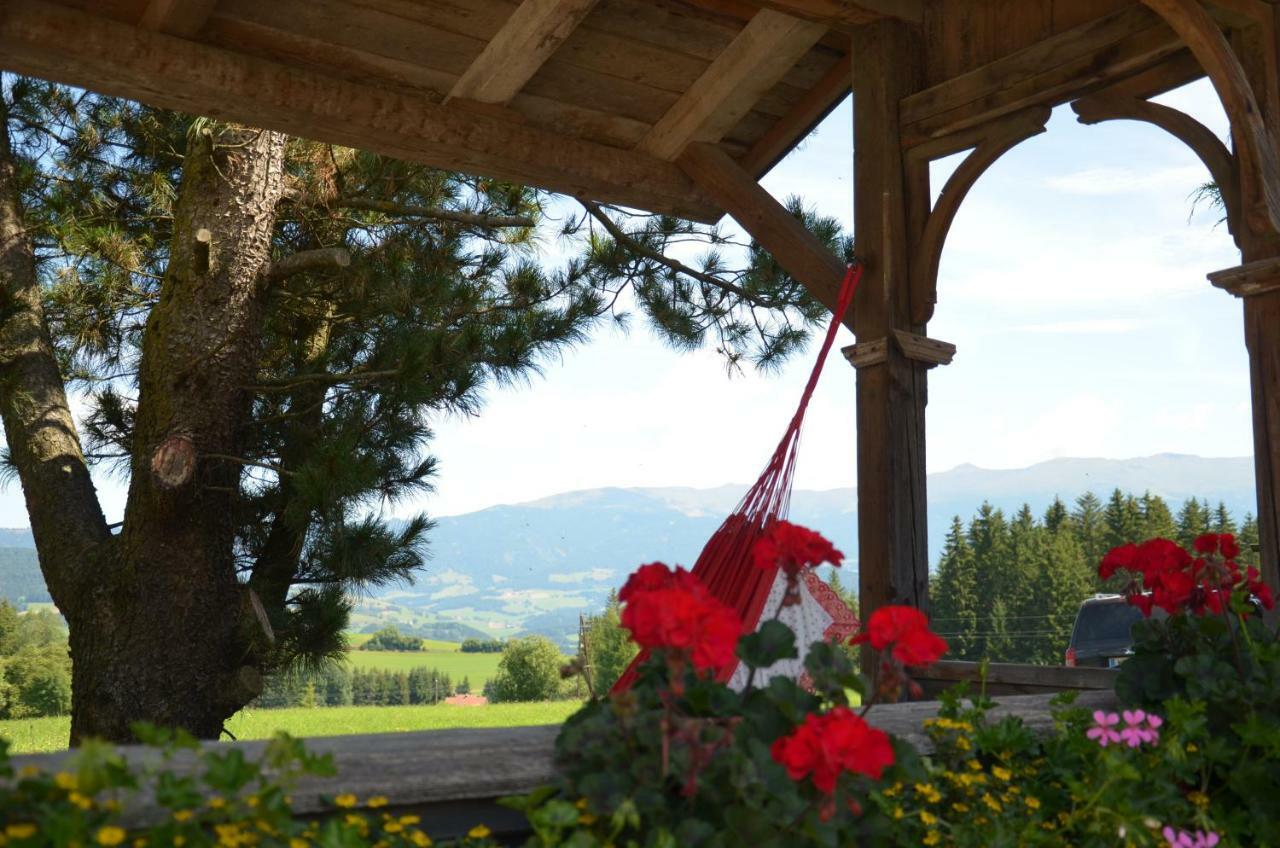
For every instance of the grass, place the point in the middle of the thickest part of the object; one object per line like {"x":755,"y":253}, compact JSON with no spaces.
{"x":29,"y":736}
{"x":477,"y":667}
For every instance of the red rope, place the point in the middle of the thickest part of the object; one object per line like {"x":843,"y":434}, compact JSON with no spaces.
{"x":725,"y":565}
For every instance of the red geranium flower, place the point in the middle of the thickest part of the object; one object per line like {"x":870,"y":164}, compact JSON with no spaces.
{"x":1167,"y":576}
{"x":669,"y":609}
{"x":907,"y":630}
{"x":827,"y":745}
{"x":793,"y":548}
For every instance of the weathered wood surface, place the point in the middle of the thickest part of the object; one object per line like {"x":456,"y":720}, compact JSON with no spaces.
{"x":1016,"y":678}
{"x":62,"y":44}
{"x":452,"y":778}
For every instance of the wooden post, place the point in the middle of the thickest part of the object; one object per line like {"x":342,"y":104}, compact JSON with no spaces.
{"x":892,"y":357}
{"x":1258,"y":285}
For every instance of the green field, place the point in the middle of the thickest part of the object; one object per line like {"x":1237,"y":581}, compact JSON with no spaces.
{"x":477,"y":667}
{"x":50,"y":734}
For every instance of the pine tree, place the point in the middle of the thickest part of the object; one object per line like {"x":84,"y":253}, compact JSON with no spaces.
{"x":266,"y":328}
{"x":1056,"y":516}
{"x":1124,"y":520}
{"x":1193,"y":520}
{"x":1249,"y":540}
{"x":1087,"y":523}
{"x":1222,"y":520}
{"x":954,"y":594}
{"x":1157,"y":519}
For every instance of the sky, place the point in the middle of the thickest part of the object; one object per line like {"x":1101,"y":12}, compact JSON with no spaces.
{"x":1072,"y":283}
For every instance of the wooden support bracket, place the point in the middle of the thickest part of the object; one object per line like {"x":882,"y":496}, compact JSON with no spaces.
{"x":1259,"y":157}
{"x":992,"y":142}
{"x":931,"y":352}
{"x":1250,"y":279}
{"x":1222,"y":165}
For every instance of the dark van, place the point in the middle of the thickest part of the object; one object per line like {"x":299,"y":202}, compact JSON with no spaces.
{"x":1102,"y":637}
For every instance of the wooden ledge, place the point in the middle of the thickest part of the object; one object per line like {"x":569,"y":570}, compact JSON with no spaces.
{"x":1249,"y":280}
{"x":914,"y":347}
{"x":453,"y":778}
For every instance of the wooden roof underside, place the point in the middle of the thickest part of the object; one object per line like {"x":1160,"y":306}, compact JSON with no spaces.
{"x":595,"y":98}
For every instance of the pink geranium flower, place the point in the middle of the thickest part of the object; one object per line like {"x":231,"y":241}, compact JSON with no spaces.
{"x":1140,"y":728}
{"x":1185,"y":839}
{"x":1104,"y":728}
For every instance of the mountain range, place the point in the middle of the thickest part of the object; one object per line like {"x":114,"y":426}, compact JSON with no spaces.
{"x":533,"y":567}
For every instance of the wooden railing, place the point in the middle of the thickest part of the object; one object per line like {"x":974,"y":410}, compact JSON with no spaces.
{"x":454,"y":778}
{"x":1014,"y":678}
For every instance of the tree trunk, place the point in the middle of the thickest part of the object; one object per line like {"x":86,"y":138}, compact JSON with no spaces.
{"x":66,"y":520}
{"x":197,"y":663}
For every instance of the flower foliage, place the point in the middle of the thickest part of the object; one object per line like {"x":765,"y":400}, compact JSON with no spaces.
{"x":1165,"y":575}
{"x":669,"y":610}
{"x":905,"y":633}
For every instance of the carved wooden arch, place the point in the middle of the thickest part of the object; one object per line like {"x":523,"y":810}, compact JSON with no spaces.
{"x":992,"y":142}
{"x":1223,"y":166}
{"x":1259,"y":161}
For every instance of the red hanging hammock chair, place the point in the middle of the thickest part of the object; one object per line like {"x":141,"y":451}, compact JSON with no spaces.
{"x":725,"y":565}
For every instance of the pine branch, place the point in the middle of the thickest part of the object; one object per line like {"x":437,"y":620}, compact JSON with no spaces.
{"x":320,"y":259}
{"x":303,"y":379}
{"x":473,"y":219}
{"x":641,"y":249}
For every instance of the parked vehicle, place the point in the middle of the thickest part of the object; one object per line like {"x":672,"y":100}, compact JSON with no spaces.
{"x":1102,"y":636}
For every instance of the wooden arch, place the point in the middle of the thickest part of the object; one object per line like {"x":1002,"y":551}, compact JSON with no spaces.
{"x":991,"y":143}
{"x":1222,"y":165}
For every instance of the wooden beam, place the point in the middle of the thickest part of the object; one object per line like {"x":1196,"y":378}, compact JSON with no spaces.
{"x":526,"y":41}
{"x":796,"y":249}
{"x":1051,"y":72}
{"x":807,"y":113}
{"x":1259,"y":159}
{"x":843,"y":15}
{"x":72,"y":47}
{"x":753,"y":63}
{"x":177,"y":17}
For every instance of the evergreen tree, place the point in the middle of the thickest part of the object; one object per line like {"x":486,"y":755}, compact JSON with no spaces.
{"x":1193,"y":520}
{"x":609,"y":649}
{"x":1249,"y":540}
{"x":464,"y":688}
{"x":1056,"y":516}
{"x":266,"y":328}
{"x":954,"y":595}
{"x":1123,"y":519}
{"x":1222,"y":520}
{"x":1000,"y":641}
{"x":1157,"y":519}
{"x":1087,"y":523}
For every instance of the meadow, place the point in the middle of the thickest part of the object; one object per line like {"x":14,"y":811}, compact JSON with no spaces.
{"x":28,"y":736}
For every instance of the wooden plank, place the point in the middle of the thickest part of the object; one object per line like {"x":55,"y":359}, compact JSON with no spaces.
{"x":807,"y":113}
{"x":1051,"y":72}
{"x":1059,"y":678}
{"x":845,"y":14}
{"x":177,"y":17}
{"x":767,"y":221}
{"x":520,"y":48}
{"x":751,"y":65}
{"x":1259,"y":159}
{"x":453,"y":778}
{"x":78,"y":49}
{"x":1261,"y":320}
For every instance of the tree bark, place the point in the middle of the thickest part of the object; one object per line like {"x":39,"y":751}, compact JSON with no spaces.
{"x":197,"y":663}
{"x":67,"y":524}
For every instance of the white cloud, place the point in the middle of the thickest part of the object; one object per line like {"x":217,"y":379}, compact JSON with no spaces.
{"x":1086,"y":326}
{"x":1105,"y":181}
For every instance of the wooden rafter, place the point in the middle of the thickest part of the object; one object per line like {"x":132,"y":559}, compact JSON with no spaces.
{"x":806,"y":114}
{"x":753,"y":63}
{"x":1259,"y":160}
{"x":836,"y":14}
{"x":69,"y":46}
{"x":1050,"y":72}
{"x":177,"y":17}
{"x":998,"y":140}
{"x":1202,"y":141}
{"x":527,"y":40}
{"x":767,"y":221}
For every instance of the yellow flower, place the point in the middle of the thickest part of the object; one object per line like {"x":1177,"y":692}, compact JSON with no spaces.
{"x":253,"y":801}
{"x":81,"y":801}
{"x":959,"y":807}
{"x":393,"y":827}
{"x":110,"y":835}
{"x":182,"y":815}
{"x":420,"y":839}
{"x":479,"y":832}
{"x":931,"y":838}
{"x":1192,"y":748}
{"x":928,"y":818}
{"x":928,"y":792}
{"x":295,"y":842}
{"x":1198,"y":798}
{"x":581,"y":803}
{"x":216,"y":802}
{"x":963,"y":743}
{"x":377,"y":801}
{"x":65,"y":780}
{"x":346,"y":800}
{"x":409,"y":820}
{"x":20,"y":831}
{"x":179,"y":841}
{"x":1001,"y":772}
{"x":898,"y":813}
{"x":28,"y":771}
{"x":973,"y":765}
{"x":139,"y":843}
{"x":1033,"y":803}
{"x":990,"y":802}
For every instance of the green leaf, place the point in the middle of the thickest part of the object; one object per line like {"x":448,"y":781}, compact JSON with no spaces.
{"x":772,"y":642}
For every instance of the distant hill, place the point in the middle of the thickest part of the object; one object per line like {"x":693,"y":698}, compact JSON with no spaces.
{"x":20,"y":577}
{"x":533,"y":567}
